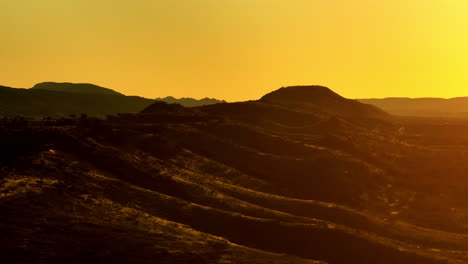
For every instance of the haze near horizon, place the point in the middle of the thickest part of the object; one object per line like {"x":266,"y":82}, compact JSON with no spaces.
{"x":238,"y":50}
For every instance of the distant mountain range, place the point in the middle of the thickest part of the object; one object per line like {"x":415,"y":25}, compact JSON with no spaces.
{"x":63,"y":99}
{"x":429,"y":107}
{"x":50,"y":99}
{"x":190,"y":102}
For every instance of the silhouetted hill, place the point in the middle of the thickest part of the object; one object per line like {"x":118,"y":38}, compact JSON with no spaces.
{"x":435,"y":107}
{"x":267,"y":181}
{"x":190,"y":102}
{"x":319,"y":98}
{"x":39,"y":102}
{"x":75,"y":88}
{"x":305,"y":107}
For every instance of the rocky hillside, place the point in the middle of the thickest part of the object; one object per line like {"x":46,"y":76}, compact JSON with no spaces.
{"x":267,"y":181}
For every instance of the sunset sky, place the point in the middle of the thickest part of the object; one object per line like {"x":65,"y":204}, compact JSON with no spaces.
{"x":239,"y":49}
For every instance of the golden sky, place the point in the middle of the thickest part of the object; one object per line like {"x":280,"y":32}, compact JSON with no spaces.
{"x":239,"y":49}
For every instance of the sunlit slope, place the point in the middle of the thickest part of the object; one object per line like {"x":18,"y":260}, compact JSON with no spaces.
{"x":251,"y":182}
{"x":122,"y":196}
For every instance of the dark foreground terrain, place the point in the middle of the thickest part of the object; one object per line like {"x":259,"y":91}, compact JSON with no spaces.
{"x":299,"y":176}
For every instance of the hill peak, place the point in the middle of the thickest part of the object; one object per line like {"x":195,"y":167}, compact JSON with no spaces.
{"x":75,"y":88}
{"x":302,"y":94}
{"x":315,"y":98}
